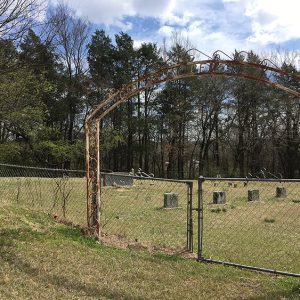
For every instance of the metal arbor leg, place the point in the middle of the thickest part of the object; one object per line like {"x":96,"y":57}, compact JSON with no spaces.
{"x":200,"y":218}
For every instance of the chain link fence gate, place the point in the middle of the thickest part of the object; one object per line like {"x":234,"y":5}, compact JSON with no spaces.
{"x":154,"y":212}
{"x":250,"y":223}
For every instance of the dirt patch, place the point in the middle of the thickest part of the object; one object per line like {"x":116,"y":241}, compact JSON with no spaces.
{"x":124,"y":243}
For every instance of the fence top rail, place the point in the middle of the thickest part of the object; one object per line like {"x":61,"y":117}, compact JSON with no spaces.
{"x":102,"y":173}
{"x":149,"y":178}
{"x":251,"y":179}
{"x":41,"y":169}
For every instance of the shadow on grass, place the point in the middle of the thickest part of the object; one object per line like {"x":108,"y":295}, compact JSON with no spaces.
{"x":294,"y":293}
{"x":8,"y":243}
{"x":10,"y":238}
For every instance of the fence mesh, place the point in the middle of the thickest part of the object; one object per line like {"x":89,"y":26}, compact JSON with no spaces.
{"x":248,"y":222}
{"x":132,"y":208}
{"x":56,"y":191}
{"x":257,"y":225}
{"x":152,"y":211}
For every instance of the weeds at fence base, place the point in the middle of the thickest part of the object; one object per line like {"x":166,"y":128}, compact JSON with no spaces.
{"x":218,"y":210}
{"x":269,"y":220}
{"x":120,"y":241}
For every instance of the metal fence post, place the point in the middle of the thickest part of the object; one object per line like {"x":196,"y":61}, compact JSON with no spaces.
{"x":200,"y":217}
{"x":190,"y":217}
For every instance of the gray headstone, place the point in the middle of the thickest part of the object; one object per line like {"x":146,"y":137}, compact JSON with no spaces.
{"x":219,"y":197}
{"x":114,"y":179}
{"x":170,"y":200}
{"x":280,"y":192}
{"x":253,"y":195}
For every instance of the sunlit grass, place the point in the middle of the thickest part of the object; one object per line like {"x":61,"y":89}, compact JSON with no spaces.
{"x":41,"y":259}
{"x":236,"y":231}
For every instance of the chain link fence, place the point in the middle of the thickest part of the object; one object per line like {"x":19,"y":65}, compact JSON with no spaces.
{"x":156,"y":212}
{"x":250,"y":222}
{"x":253,"y":223}
{"x":153,"y":212}
{"x":56,"y":191}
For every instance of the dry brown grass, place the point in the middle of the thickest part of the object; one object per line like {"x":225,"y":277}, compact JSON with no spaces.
{"x":41,"y":259}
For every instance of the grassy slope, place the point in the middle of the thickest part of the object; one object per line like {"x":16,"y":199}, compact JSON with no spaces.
{"x":40,"y":259}
{"x":238,"y":233}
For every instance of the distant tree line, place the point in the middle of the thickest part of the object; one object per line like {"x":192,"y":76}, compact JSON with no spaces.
{"x":52,"y":77}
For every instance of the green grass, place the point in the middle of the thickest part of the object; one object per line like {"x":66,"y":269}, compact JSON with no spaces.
{"x":218,"y":210}
{"x":41,"y":259}
{"x":235,"y":231}
{"x":267,"y":220}
{"x":64,"y":197}
{"x":263,"y":233}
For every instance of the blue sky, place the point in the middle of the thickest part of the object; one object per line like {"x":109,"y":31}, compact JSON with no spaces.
{"x":261,"y":25}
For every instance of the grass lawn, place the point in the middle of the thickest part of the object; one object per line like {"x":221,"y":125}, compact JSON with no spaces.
{"x":263,"y":233}
{"x":41,"y":259}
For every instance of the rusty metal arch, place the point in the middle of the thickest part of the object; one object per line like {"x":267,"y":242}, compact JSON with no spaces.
{"x":208,"y":67}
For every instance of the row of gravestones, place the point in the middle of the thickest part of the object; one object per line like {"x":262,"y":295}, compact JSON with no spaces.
{"x":219,"y":197}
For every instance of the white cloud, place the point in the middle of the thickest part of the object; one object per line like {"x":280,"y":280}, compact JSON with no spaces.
{"x":124,"y":26}
{"x":209,"y":24}
{"x":206,"y":41}
{"x":112,"y":12}
{"x":138,"y":43}
{"x":174,"y":19}
{"x":209,"y":29}
{"x":273,"y":21}
{"x":241,"y":24}
{"x":166,"y":31}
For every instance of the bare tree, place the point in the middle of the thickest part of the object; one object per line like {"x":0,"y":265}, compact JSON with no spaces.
{"x":70,"y":36}
{"x":17,"y":16}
